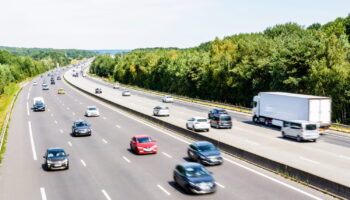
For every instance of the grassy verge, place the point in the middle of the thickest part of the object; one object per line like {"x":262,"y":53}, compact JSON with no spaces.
{"x":5,"y":101}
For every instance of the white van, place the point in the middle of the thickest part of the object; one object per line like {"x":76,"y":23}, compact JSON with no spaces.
{"x":301,"y":130}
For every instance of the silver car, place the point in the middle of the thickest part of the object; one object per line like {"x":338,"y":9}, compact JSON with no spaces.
{"x":126,"y":93}
{"x":168,"y":99}
{"x":161,"y":111}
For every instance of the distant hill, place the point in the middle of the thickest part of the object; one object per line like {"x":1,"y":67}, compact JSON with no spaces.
{"x":111,"y":51}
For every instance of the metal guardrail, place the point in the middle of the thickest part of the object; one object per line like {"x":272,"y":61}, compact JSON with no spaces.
{"x":7,"y":119}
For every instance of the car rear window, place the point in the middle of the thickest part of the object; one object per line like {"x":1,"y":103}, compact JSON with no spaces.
{"x":225,"y":118}
{"x":310,"y":127}
{"x":201,"y":120}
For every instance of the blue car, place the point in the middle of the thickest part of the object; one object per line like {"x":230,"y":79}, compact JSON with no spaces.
{"x":194,"y":178}
{"x":205,"y":153}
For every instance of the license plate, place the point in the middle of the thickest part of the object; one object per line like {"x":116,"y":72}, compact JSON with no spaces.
{"x":58,"y":165}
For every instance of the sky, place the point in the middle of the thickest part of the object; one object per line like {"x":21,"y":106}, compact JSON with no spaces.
{"x":129,"y":24}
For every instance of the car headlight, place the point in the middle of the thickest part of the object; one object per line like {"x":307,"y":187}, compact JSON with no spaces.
{"x":65,"y":160}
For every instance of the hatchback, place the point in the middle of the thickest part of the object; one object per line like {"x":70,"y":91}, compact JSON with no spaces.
{"x":198,"y":123}
{"x":205,"y":153}
{"x":56,"y":158}
{"x":161,"y":111}
{"x":143,"y":144}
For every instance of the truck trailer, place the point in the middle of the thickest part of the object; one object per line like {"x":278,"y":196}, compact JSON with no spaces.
{"x":274,"y":108}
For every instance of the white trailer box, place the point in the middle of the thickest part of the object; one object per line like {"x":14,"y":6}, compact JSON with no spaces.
{"x":276,"y":107}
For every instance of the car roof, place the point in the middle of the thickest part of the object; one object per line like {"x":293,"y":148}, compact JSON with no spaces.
{"x":202,"y":143}
{"x":141,"y":136}
{"x":190,"y":164}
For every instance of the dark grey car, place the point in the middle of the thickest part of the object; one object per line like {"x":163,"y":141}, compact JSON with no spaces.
{"x":81,"y":127}
{"x":194,"y":178}
{"x":205,"y":153}
{"x":221,"y":121}
{"x":56,"y":158}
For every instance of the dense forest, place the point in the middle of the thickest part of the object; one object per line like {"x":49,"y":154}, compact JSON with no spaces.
{"x":61,"y":56}
{"x":291,"y":58}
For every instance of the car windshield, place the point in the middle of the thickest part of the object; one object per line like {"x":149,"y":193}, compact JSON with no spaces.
{"x":202,"y":120}
{"x":144,"y":140}
{"x":44,"y":85}
{"x":55,"y":153}
{"x":208,"y":147}
{"x":311,"y":127}
{"x":39,"y":103}
{"x":92,"y":108}
{"x":225,"y":118}
{"x":196,"y":171}
{"x":81,"y":124}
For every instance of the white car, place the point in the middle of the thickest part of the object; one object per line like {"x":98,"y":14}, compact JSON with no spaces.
{"x":198,"y":123}
{"x":45,"y":86}
{"x":116,"y":86}
{"x":92,"y":111}
{"x":301,"y":130}
{"x":35,"y":83}
{"x":168,"y":99}
{"x":126,"y":93}
{"x":161,"y":111}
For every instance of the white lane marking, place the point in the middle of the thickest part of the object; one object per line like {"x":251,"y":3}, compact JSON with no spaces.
{"x":32,"y":140}
{"x":75,"y":100}
{"x":83,"y":163}
{"x":127,"y":160}
{"x":73,"y":113}
{"x":68,"y":108}
{"x":61,"y":131}
{"x":28,"y":109}
{"x":273,"y":179}
{"x":251,"y":142}
{"x":51,"y":114}
{"x":43,"y":193}
{"x":56,"y":122}
{"x":164,"y":190}
{"x":105,"y":141}
{"x":70,"y":144}
{"x":104,"y":118}
{"x":309,"y":160}
{"x":117,"y":126}
{"x":345,"y":157}
{"x":106,"y":195}
{"x":167,"y":155}
{"x":81,"y":103}
{"x":28,"y":96}
{"x":48,"y":110}
{"x":220,"y":185}
{"x":62,"y":104}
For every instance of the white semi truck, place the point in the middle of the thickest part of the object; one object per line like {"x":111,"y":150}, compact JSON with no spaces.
{"x":274,"y":108}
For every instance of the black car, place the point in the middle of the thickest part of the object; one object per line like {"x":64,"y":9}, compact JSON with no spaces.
{"x":81,"y":127}
{"x":216,"y":111}
{"x":221,"y":121}
{"x":58,"y":78}
{"x":56,"y":158}
{"x":39,"y":106}
{"x":205,"y":153}
{"x":98,"y":91}
{"x":194,"y":178}
{"x":53,"y":82}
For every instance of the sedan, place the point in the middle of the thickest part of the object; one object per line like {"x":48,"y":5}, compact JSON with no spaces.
{"x":126,"y":93}
{"x":194,"y":178}
{"x":168,"y":99}
{"x":161,"y":111}
{"x":92,"y":111}
{"x":56,"y":158}
{"x":198,"y":123}
{"x":116,"y":86}
{"x":61,"y":91}
{"x":98,"y":91}
{"x":205,"y":153}
{"x":81,"y":127}
{"x":143,"y":144}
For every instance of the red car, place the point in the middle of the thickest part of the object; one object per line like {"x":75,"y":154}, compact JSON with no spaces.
{"x":143,"y":144}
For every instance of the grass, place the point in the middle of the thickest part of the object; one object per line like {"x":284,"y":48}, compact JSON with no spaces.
{"x":5,"y":101}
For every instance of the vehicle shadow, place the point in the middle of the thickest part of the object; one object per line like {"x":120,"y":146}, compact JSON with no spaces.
{"x":294,"y":140}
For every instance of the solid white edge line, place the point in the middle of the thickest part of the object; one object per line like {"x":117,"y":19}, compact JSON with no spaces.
{"x":126,"y":159}
{"x":28,"y":109}
{"x":164,"y":190}
{"x":69,"y":143}
{"x":167,"y":155}
{"x":43,"y":193}
{"x":32,"y":140}
{"x":82,"y":162}
{"x":180,"y":139}
{"x":273,"y":179}
{"x":220,"y":185}
{"x":106,"y":195}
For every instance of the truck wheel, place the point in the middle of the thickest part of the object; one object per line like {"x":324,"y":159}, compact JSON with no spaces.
{"x":255,"y":119}
{"x":267,"y":122}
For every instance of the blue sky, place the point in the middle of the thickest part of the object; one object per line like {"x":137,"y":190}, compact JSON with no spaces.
{"x":128,"y":24}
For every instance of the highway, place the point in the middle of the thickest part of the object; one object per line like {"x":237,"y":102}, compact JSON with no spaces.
{"x":102,"y":166}
{"x":329,"y":154}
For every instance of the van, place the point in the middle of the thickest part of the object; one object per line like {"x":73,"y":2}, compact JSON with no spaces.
{"x":221,"y":121}
{"x":301,"y":130}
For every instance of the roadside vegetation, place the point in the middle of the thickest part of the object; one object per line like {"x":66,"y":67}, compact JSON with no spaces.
{"x":291,"y":58}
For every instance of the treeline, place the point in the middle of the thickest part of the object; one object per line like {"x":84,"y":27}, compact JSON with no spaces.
{"x":61,"y":56}
{"x":290,"y":58}
{"x":15,"y":68}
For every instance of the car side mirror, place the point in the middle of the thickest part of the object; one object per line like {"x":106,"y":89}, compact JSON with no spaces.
{"x":44,"y":156}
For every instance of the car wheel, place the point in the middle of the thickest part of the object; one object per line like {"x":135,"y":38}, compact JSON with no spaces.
{"x":187,"y":126}
{"x":207,"y":130}
{"x":283,"y":134}
{"x":67,"y":167}
{"x":315,"y":140}
{"x":298,"y":138}
{"x":194,"y":128}
{"x":217,"y":126}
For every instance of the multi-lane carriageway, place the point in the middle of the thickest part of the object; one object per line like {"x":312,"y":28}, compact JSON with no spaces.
{"x":102,"y":167}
